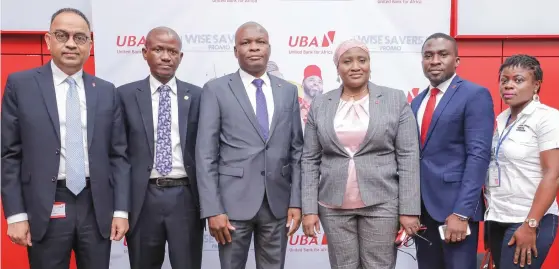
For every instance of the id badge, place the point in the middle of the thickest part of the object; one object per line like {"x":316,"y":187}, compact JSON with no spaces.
{"x":494,"y":175}
{"x":58,"y":210}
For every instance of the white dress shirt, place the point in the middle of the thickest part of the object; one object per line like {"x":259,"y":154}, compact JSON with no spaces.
{"x":442,"y":89}
{"x":61,"y":88}
{"x":251,"y":92}
{"x":177,"y":170}
{"x":535,"y":130}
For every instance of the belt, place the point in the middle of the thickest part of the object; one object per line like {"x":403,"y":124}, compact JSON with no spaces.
{"x":61,"y":183}
{"x":164,"y":182}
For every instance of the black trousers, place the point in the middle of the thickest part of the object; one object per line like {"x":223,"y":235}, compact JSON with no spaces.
{"x":169,"y":215}
{"x":78,"y":231}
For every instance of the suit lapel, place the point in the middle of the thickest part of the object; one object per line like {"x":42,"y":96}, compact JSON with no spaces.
{"x":374,"y":109}
{"x":46,"y":84}
{"x":416,"y":103}
{"x":238,"y":89}
{"x":452,"y":88}
{"x":331,"y":107}
{"x":143,"y":97}
{"x":277,"y":94}
{"x":91,"y":101}
{"x":183,"y":101}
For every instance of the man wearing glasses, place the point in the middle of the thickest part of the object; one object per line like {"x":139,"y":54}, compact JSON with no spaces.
{"x":65,"y":177}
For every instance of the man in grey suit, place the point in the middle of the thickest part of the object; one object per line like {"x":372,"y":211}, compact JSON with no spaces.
{"x":65,"y":175}
{"x":161,"y":117}
{"x":248,"y":157}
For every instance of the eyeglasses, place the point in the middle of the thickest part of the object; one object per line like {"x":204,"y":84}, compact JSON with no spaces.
{"x":410,"y":240}
{"x":63,"y":36}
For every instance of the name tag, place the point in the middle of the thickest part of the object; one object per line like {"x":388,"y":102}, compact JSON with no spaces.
{"x":494,"y":178}
{"x":58,"y":210}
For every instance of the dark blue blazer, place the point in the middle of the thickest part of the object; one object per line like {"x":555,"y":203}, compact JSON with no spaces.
{"x":457,"y":150}
{"x":135,"y":100}
{"x":31,"y":149}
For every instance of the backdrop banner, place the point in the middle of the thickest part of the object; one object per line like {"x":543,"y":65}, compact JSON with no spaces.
{"x":303,"y":37}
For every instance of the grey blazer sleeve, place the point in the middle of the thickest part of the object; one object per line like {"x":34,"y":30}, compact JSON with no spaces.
{"x":296,"y":151}
{"x":207,"y":154}
{"x":407,"y":157}
{"x":310,"y":162}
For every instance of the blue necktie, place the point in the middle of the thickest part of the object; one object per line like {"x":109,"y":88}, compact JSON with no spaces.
{"x":75,"y":160}
{"x":261,"y":108}
{"x":163,"y":152}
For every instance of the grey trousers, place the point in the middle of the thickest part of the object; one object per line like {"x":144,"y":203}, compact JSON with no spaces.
{"x":270,"y":241}
{"x":358,"y":239}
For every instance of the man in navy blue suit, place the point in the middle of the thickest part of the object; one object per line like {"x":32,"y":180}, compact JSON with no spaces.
{"x":456,"y":120}
{"x":65,"y":174}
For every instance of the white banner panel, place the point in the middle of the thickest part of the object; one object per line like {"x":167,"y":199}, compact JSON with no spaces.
{"x":302,"y":33}
{"x":35,"y":15}
{"x":508,"y":17}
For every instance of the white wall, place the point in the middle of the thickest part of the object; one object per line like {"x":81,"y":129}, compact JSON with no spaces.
{"x":34,"y":15}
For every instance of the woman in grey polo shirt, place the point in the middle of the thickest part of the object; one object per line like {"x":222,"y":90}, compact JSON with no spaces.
{"x":523,"y":175}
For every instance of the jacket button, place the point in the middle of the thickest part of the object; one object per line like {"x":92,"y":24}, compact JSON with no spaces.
{"x":149,"y":168}
{"x":57,"y":151}
{"x":267,"y":147}
{"x":262,"y":173}
{"x":53,"y":179}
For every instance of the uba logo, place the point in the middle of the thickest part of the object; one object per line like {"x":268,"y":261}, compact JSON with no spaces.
{"x":312,"y":41}
{"x":412,"y":94}
{"x":303,"y":240}
{"x":130,"y":41}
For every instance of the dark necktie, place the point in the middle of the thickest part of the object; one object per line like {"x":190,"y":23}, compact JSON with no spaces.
{"x":261,"y":108}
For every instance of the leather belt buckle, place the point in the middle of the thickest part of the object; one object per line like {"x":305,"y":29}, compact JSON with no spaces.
{"x":157,"y":182}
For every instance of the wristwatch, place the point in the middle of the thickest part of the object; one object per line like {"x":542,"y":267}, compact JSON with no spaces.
{"x":460,"y":217}
{"x":532,"y":223}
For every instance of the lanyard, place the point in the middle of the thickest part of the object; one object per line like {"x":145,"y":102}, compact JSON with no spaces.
{"x":502,"y":138}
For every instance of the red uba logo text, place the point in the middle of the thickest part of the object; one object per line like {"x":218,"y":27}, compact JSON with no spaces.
{"x":312,"y":41}
{"x":303,"y":240}
{"x":130,"y":41}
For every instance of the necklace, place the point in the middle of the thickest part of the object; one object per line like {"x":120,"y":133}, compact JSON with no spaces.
{"x":352,"y":96}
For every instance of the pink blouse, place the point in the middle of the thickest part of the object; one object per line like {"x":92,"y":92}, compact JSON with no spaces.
{"x":351,"y":123}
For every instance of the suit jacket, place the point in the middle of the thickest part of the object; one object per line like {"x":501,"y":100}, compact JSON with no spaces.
{"x":31,"y":149}
{"x":387,"y":161}
{"x":457,"y":150}
{"x":136,"y":103}
{"x":235,"y":165}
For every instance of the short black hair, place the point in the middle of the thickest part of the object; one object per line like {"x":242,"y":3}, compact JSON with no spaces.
{"x":443,"y":36}
{"x":70,"y":10}
{"x":526,"y":62}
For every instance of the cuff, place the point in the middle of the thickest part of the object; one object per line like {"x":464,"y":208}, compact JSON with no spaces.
{"x":17,"y":218}
{"x":120,"y":214}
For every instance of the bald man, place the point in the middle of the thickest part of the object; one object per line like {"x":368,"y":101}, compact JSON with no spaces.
{"x":161,"y":116}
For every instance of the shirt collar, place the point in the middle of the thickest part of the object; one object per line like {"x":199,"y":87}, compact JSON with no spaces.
{"x":529,"y":109}
{"x":248,"y":78}
{"x":154,"y":84}
{"x":444,"y":85}
{"x":60,"y":77}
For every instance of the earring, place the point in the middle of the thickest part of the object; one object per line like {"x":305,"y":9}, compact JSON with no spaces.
{"x":536,"y":97}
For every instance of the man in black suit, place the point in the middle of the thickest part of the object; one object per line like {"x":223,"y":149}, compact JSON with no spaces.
{"x":161,"y":118}
{"x":65,"y":175}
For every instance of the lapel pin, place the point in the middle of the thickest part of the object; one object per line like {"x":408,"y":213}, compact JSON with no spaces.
{"x":93,"y":84}
{"x":186,"y":97}
{"x":279,"y":85}
{"x":376,"y":102}
{"x":454,"y":86}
